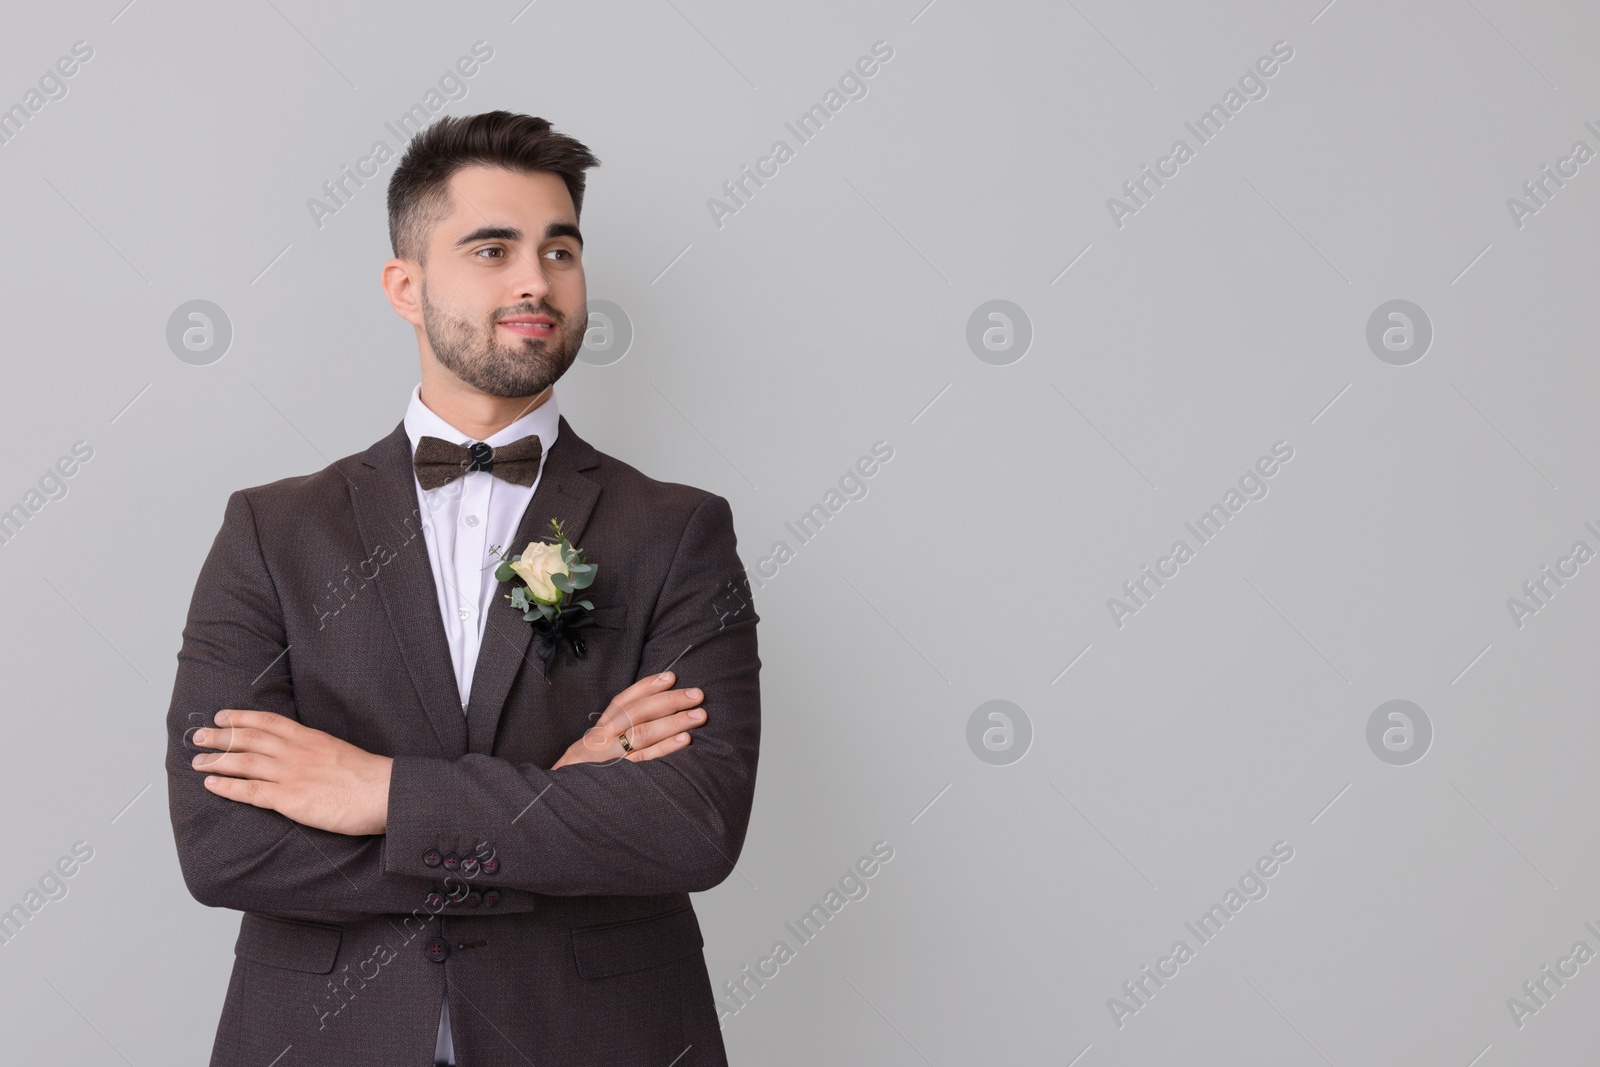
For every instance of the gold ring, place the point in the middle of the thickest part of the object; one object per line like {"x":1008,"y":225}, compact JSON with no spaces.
{"x":623,"y":737}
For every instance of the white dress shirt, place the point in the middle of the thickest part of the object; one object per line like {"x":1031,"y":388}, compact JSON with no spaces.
{"x":461,"y":520}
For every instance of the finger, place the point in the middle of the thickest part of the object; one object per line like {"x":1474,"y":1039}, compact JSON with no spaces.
{"x":660,"y":748}
{"x":603,"y":741}
{"x":244,"y":790}
{"x":646,"y":734}
{"x":270,"y":721}
{"x":650,"y":683}
{"x":654,"y":683}
{"x":239,"y":739}
{"x":235,"y":764}
{"x":620,"y":717}
{"x":653,"y":706}
{"x":655,"y":751}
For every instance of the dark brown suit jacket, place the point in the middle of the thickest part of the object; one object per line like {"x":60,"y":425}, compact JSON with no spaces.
{"x":551,"y":906}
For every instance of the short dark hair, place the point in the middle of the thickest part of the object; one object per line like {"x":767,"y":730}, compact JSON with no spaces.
{"x":419,"y":189}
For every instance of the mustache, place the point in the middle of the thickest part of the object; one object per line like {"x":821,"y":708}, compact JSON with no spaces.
{"x":560,"y":319}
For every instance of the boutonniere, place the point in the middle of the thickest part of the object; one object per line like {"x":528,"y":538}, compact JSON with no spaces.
{"x":549,"y":574}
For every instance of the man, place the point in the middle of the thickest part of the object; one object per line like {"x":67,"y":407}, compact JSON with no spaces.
{"x":446,"y":849}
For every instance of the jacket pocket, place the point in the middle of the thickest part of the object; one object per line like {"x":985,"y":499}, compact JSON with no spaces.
{"x":288,"y":943}
{"x":619,"y":948}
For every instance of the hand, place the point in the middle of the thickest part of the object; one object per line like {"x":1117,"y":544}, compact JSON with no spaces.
{"x":657,"y":721}
{"x":316,"y":779}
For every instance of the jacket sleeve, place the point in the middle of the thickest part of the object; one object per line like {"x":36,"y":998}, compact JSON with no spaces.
{"x":670,"y":825}
{"x":236,"y":855}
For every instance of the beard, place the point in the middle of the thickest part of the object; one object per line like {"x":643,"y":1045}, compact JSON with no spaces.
{"x":524,"y":366}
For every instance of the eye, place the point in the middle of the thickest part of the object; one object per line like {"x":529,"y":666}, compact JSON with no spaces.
{"x":490,"y":248}
{"x":563,"y":251}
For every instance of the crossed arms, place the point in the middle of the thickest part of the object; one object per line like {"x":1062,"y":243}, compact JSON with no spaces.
{"x":304,"y":825}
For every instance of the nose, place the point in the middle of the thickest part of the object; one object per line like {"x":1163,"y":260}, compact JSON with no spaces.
{"x":530,"y":281}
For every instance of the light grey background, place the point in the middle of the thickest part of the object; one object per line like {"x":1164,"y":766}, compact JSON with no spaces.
{"x":771,"y":352}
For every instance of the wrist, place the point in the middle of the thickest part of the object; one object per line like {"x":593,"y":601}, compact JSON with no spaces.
{"x":383,"y":777}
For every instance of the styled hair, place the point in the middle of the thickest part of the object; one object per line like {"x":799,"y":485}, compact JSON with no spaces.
{"x":419,"y":189}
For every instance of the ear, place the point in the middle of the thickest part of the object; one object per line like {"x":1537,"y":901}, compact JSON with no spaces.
{"x":402,"y":284}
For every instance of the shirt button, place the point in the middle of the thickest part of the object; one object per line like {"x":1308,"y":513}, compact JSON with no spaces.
{"x":471,"y":520}
{"x":465,"y":613}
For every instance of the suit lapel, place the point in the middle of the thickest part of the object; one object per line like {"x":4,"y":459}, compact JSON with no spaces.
{"x":384,"y":496}
{"x":562,"y":493}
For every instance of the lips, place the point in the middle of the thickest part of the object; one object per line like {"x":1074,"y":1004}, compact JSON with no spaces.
{"x":529,"y":325}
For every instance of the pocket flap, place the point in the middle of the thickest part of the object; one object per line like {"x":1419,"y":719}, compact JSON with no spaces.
{"x":298,"y":946}
{"x":618,"y":948}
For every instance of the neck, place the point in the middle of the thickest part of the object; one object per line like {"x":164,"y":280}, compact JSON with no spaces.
{"x":478,"y":415}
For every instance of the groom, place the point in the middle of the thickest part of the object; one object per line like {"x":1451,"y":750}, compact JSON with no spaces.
{"x":446,"y":848}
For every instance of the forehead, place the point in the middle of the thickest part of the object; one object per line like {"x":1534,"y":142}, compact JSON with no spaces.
{"x":536,"y":198}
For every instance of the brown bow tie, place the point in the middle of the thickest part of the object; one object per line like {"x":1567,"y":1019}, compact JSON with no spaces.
{"x":439,"y":462}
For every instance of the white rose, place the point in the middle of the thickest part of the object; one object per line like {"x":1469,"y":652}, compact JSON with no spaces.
{"x":539,"y":561}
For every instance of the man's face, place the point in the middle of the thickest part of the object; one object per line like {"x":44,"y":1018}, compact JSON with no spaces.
{"x":503,"y":298}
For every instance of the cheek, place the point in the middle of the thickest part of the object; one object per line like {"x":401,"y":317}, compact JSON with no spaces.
{"x":450,"y":300}
{"x":570,"y":296}
{"x":570,"y":288}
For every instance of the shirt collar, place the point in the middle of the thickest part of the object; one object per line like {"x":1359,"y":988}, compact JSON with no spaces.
{"x":543,"y":421}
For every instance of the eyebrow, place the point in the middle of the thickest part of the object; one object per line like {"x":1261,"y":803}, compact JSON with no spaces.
{"x":512,"y":233}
